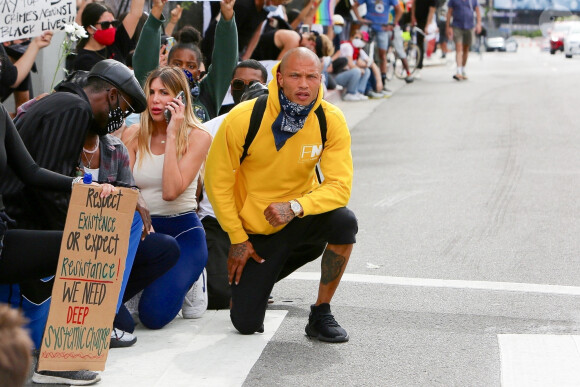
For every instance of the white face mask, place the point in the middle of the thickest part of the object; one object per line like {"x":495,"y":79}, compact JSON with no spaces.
{"x":358,"y":43}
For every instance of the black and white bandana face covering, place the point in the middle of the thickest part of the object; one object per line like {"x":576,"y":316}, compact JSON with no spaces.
{"x":116,"y":118}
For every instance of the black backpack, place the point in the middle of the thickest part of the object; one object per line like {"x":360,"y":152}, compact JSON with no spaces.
{"x":256,"y":120}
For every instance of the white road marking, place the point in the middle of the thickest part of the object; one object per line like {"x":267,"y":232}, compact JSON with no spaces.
{"x":442,"y":283}
{"x":539,"y":360}
{"x":203,"y":352}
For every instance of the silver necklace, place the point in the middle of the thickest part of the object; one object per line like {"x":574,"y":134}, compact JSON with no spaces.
{"x":94,"y":150}
{"x":88,"y":165}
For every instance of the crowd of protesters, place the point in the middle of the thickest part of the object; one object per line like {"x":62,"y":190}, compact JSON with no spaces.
{"x":122,"y":119}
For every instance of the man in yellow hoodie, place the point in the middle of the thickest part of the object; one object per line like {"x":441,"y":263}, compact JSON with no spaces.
{"x":271,"y":204}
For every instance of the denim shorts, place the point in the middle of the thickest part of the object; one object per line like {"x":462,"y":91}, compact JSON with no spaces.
{"x":384,"y":39}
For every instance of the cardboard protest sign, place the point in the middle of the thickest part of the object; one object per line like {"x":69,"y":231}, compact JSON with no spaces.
{"x":88,"y":279}
{"x":29,"y":18}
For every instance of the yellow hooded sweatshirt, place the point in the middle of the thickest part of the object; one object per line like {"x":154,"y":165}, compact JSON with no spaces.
{"x":239,"y":194}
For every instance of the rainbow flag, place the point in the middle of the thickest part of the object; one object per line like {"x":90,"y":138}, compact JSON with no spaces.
{"x":324,"y":13}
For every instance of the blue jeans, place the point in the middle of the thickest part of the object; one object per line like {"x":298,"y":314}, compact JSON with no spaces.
{"x":364,"y":80}
{"x":349,"y":79}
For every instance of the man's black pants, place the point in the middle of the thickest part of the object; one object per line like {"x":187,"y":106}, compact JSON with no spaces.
{"x":301,"y":241}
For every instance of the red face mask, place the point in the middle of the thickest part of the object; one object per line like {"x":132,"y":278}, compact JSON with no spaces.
{"x":106,"y":37}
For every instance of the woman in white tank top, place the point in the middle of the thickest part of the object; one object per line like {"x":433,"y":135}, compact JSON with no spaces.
{"x":167,"y":154}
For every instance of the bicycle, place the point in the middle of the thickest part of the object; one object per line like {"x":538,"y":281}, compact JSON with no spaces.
{"x":394,"y":62}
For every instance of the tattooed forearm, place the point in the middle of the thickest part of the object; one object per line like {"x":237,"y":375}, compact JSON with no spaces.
{"x":332,"y":265}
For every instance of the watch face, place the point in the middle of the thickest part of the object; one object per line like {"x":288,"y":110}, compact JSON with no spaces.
{"x":295,"y":206}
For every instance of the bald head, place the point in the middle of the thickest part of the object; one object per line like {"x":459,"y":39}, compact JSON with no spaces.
{"x":298,"y":53}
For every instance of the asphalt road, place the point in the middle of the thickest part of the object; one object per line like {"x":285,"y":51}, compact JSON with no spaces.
{"x":474,"y":183}
{"x":466,"y":270}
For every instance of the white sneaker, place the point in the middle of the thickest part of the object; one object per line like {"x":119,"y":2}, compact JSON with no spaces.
{"x":374,"y":94}
{"x":122,"y":339}
{"x":133,"y":307}
{"x":362,"y":97}
{"x":195,"y":301}
{"x":350,"y":97}
{"x":386,"y":92}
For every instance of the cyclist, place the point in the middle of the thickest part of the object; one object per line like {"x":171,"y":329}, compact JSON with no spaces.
{"x":378,"y":18}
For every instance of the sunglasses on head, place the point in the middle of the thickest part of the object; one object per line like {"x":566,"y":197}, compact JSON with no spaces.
{"x":106,"y":24}
{"x":238,"y":84}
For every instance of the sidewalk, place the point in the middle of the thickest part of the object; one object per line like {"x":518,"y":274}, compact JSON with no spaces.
{"x":357,"y":111}
{"x":208,"y":351}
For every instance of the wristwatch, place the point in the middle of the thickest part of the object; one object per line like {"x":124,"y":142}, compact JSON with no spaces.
{"x":295,"y":207}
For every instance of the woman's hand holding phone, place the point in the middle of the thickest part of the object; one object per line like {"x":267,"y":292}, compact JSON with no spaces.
{"x":169,"y":110}
{"x":175,"y":113}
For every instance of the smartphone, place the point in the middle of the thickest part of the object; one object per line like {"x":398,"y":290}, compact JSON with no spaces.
{"x":167,"y":113}
{"x":304,"y":28}
{"x":169,"y":43}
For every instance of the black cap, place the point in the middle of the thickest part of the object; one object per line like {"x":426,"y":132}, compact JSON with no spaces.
{"x":119,"y":75}
{"x":255,"y":90}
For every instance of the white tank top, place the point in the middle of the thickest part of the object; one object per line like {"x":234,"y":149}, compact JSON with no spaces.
{"x":149,"y":178}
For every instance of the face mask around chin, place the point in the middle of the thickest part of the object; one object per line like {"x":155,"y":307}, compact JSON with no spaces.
{"x":270,"y":8}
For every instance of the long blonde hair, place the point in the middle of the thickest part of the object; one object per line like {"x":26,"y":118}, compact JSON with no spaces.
{"x":174,"y":80}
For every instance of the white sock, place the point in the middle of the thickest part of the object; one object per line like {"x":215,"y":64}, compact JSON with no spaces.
{"x":460,"y":70}
{"x":463,"y":71}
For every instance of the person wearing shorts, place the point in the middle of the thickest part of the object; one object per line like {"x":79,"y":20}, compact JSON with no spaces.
{"x":378,"y":18}
{"x":461,"y":30}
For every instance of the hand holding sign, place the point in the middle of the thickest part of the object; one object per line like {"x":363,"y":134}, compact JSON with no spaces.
{"x":88,"y":278}
{"x":30,"y":18}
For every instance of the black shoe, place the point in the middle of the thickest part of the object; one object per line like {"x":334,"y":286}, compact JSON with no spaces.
{"x":323,"y":326}
{"x":73,"y":378}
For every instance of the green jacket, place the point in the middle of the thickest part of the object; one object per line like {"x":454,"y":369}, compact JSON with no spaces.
{"x":214,"y":86}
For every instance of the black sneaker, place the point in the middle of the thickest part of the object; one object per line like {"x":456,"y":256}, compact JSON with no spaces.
{"x":122,"y":339}
{"x":323,"y":326}
{"x":73,"y":378}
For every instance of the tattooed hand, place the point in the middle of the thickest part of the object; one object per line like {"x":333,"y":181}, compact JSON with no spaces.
{"x":237,"y":258}
{"x":278,"y":214}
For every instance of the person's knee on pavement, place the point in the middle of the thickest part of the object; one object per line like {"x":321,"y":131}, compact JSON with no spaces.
{"x":246,"y":324}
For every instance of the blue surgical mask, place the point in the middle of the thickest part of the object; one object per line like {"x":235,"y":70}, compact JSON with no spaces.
{"x":270,"y":8}
{"x":337,"y":29}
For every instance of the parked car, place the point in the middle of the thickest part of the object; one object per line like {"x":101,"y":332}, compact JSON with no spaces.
{"x":494,"y":41}
{"x":572,"y":42}
{"x":498,"y":40}
{"x":558,"y":33}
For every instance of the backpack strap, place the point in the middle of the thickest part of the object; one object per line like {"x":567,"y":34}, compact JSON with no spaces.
{"x":255,"y":121}
{"x":322,"y":121}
